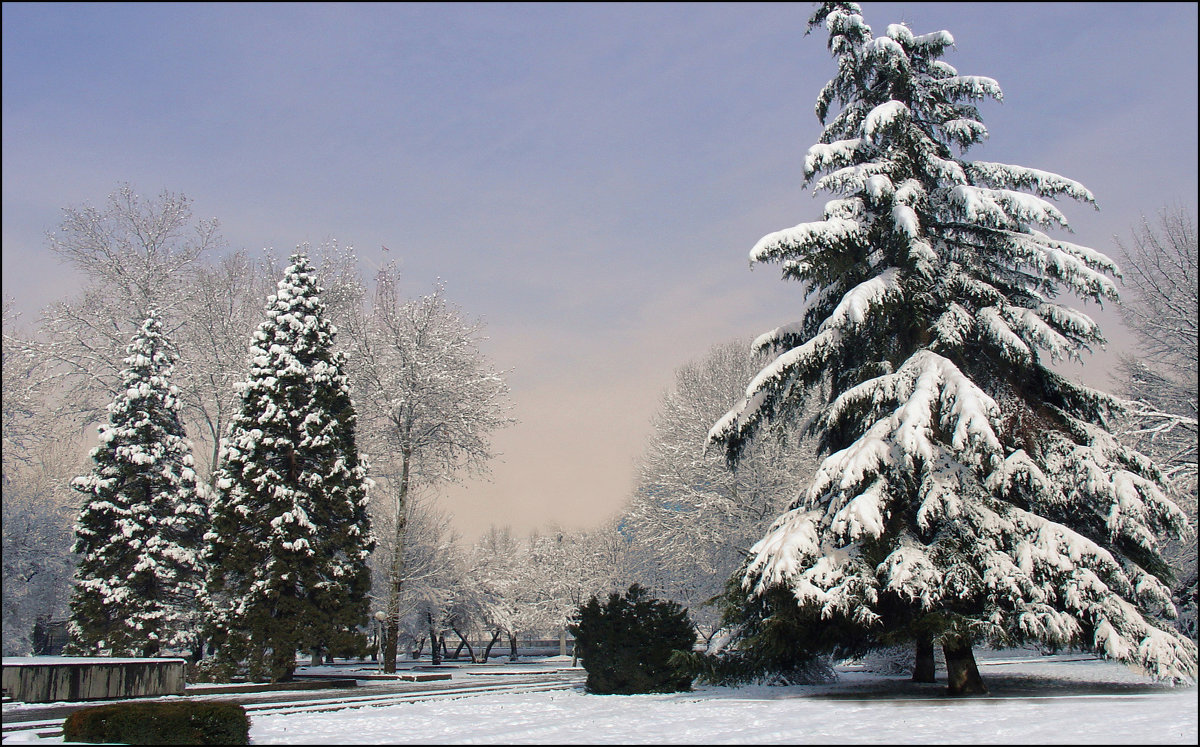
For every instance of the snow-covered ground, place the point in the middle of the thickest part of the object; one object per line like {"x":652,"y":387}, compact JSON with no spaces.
{"x":1033,"y":700}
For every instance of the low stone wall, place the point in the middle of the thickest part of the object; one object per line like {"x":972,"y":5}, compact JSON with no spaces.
{"x":46,"y":679}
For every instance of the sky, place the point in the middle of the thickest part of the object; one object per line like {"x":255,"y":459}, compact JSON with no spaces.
{"x":586,"y":179}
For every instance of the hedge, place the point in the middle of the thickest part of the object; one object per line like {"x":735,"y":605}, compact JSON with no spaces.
{"x":157,"y":722}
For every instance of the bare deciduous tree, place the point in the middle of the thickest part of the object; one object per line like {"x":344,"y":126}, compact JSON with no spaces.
{"x":136,"y":254}
{"x":38,"y":506}
{"x":499,"y":571}
{"x":214,"y":343}
{"x":1160,"y":308}
{"x":429,"y":401}
{"x":692,"y":518}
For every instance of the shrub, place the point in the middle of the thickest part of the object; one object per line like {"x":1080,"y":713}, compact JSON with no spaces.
{"x":211,"y":669}
{"x":626,"y":644}
{"x":160,"y":723}
{"x":769,"y":640}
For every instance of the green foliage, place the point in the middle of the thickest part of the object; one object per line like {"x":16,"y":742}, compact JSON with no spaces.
{"x":210,"y":722}
{"x":140,"y":526}
{"x":970,"y":491}
{"x":773,"y":640}
{"x":349,"y":644}
{"x":626,"y":644}
{"x":290,"y":533}
{"x":211,"y":669}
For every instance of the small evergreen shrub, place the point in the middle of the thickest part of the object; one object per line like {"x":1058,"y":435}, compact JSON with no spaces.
{"x":211,"y":669}
{"x":159,"y":723}
{"x":626,"y":643}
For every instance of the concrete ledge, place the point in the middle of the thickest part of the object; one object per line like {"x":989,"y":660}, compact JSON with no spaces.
{"x":47,"y":679}
{"x":262,"y":687}
{"x":408,"y":677}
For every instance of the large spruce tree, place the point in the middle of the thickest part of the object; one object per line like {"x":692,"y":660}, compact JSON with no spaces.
{"x":970,"y":493}
{"x":139,"y":531}
{"x":290,"y":533}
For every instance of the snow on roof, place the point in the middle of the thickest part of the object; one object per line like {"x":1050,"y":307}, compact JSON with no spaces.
{"x":37,"y":661}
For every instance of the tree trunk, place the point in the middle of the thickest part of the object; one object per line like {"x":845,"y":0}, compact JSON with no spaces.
{"x":390,"y":642}
{"x":416,"y":652}
{"x":512,"y":646}
{"x":391,"y":630}
{"x":435,"y":650}
{"x":316,"y":658}
{"x":282,"y":662}
{"x":215,"y":430}
{"x":391,"y":627}
{"x":463,"y":642}
{"x":488,"y":651}
{"x":924,"y":668}
{"x":962,"y":675}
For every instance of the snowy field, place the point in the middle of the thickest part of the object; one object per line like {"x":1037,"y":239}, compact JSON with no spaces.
{"x":1033,"y":700}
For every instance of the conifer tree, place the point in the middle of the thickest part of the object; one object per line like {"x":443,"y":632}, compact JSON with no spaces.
{"x":627,"y":643}
{"x":290,"y":533}
{"x":139,"y":532}
{"x":970,"y":493}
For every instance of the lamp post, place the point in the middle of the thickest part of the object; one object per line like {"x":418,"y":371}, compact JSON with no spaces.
{"x":379,"y":618}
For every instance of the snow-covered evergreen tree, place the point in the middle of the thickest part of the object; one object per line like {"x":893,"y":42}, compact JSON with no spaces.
{"x":970,"y":494}
{"x":290,"y":534}
{"x":139,"y":532}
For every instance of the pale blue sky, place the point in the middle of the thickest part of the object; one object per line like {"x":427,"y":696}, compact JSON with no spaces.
{"x":586,"y":177}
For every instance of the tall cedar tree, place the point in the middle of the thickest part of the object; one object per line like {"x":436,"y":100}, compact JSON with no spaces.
{"x":139,"y":532}
{"x":290,"y":533}
{"x":970,"y":492}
